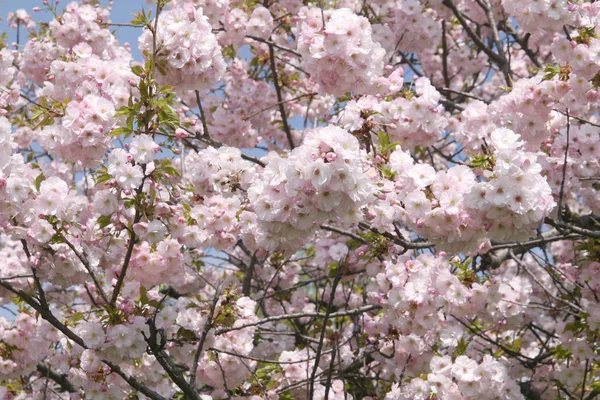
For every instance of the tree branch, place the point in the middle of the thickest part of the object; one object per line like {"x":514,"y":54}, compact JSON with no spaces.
{"x":286,"y":127}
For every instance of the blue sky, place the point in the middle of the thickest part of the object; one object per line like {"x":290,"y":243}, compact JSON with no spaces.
{"x":122,"y":12}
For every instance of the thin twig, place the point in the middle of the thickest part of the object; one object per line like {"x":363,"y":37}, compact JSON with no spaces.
{"x":205,"y":330}
{"x":564,"y":170}
{"x":353,"y":311}
{"x":286,"y":126}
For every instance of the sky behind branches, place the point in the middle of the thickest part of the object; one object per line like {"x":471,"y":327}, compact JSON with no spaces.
{"x":122,"y":12}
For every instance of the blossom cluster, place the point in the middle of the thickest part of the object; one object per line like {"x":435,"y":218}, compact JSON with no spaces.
{"x":296,"y":194}
{"x":516,"y":198}
{"x":420,"y":293}
{"x":342,"y":55}
{"x":79,"y":24}
{"x":187,"y":53}
{"x":414,"y":120}
{"x":83,"y":134}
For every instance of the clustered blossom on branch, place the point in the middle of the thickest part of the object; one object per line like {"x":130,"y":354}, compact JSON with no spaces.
{"x":296,"y":194}
{"x":187,"y":53}
{"x":341,"y":56}
{"x":391,"y":199}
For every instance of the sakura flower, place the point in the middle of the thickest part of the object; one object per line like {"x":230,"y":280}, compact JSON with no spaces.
{"x":41,"y":231}
{"x":464,"y":369}
{"x":143,"y":149}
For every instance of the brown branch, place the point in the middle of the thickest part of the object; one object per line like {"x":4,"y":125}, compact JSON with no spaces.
{"x":207,"y":326}
{"x":202,"y":116}
{"x":564,"y":170}
{"x":445,"y":56}
{"x":88,"y":268}
{"x":132,"y":240}
{"x":354,"y":311}
{"x":500,"y":252}
{"x":273,"y":44}
{"x":476,"y":39}
{"x":278,"y":103}
{"x":336,"y":281}
{"x":133,"y":382}
{"x":44,"y":313}
{"x":174,"y":372}
{"x":60,"y":379}
{"x":286,"y":126}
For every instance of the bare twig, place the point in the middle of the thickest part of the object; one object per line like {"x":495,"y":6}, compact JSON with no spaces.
{"x":353,"y":311}
{"x":286,"y":126}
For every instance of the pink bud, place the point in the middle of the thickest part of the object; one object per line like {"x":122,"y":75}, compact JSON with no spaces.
{"x":36,"y":9}
{"x":181,"y":134}
{"x":140,"y":228}
{"x":362,"y":250}
{"x":592,"y":96}
{"x":35,"y":261}
{"x":370,"y":215}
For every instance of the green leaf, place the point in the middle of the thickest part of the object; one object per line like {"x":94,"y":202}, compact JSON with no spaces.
{"x":122,"y":111}
{"x":384,"y":138}
{"x":144,"y":295}
{"x":168,"y":117}
{"x":560,"y":353}
{"x":595,"y":385}
{"x":38,"y":181}
{"x":78,"y":316}
{"x":121,"y":131}
{"x":103,"y":178}
{"x":137,"y":70}
{"x":461,"y":348}
{"x":286,"y":396}
{"x":333,"y":269}
{"x":57,"y":239}
{"x":103,"y":221}
{"x":141,"y":18}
